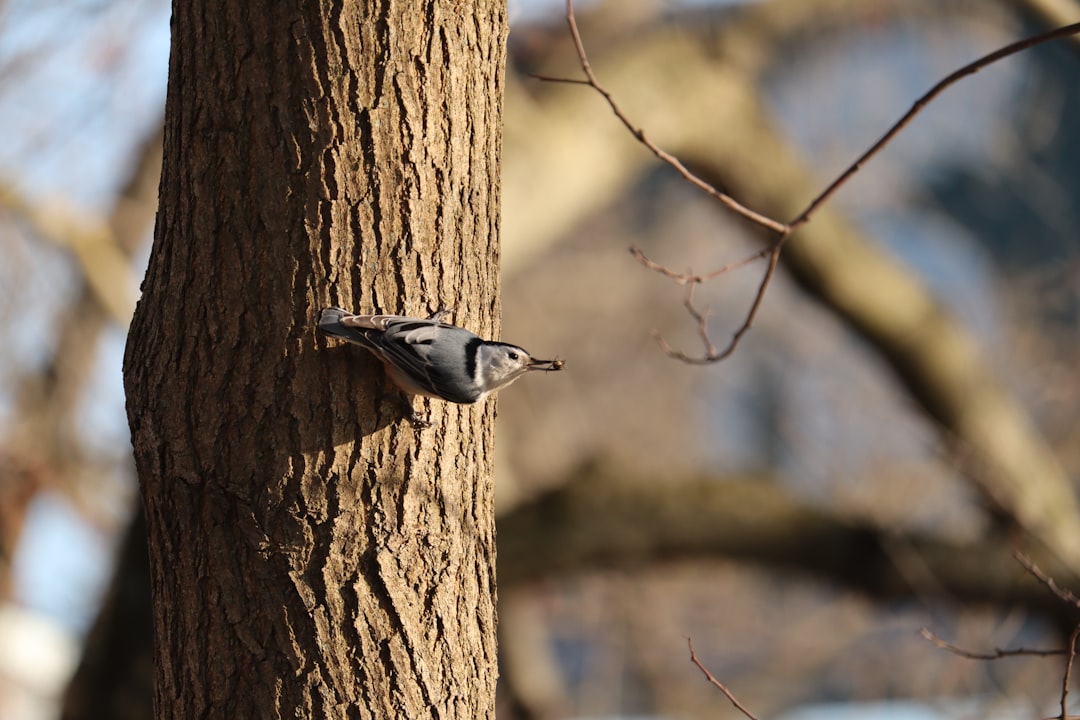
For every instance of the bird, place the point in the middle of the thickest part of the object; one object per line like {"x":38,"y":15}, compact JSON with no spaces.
{"x":433,"y":358}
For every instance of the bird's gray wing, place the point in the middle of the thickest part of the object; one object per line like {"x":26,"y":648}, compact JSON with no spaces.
{"x":437,"y":352}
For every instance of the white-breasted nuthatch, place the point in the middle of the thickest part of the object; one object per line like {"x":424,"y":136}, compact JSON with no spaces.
{"x":433,"y":358}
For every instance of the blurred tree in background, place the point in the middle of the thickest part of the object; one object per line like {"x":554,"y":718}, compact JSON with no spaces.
{"x":800,"y":510}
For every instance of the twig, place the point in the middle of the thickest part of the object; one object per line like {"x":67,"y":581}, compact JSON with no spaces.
{"x":1046,"y":580}
{"x":999,"y":653}
{"x":702,"y":318}
{"x":691,"y":279}
{"x":996,"y":654}
{"x":1067,"y":597}
{"x":683,"y":278}
{"x":920,"y":104}
{"x":1068,"y":671}
{"x":678,"y":277}
{"x":772,"y":252}
{"x":782,"y":230}
{"x":709,"y":676}
{"x":590,"y":80}
{"x":1070,"y":650}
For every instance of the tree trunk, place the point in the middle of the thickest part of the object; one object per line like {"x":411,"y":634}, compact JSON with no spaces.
{"x":112,"y":681}
{"x":312,"y":555}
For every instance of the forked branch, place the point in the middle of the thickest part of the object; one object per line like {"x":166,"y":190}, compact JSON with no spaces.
{"x":779,"y":230}
{"x":997,"y":653}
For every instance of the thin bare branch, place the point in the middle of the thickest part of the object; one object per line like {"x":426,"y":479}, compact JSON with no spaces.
{"x":920,"y":104}
{"x":995,"y":654}
{"x":702,"y":318}
{"x":552,"y":79}
{"x":1068,"y":672}
{"x":709,"y":676}
{"x":1046,"y":580}
{"x":678,"y":277}
{"x":762,"y":253}
{"x":683,"y":278}
{"x":691,"y":281}
{"x":782,"y":230}
{"x":591,"y":80}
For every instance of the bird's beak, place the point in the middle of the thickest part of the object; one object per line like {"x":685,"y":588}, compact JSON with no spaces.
{"x":547,"y":365}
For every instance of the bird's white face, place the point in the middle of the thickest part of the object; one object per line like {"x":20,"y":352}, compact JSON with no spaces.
{"x":503,"y":363}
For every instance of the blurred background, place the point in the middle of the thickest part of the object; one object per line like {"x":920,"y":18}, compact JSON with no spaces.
{"x":800,"y":510}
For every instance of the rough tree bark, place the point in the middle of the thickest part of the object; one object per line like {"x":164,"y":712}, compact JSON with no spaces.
{"x":311,"y":555}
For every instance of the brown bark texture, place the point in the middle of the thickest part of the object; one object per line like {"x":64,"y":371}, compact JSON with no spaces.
{"x":311,"y":555}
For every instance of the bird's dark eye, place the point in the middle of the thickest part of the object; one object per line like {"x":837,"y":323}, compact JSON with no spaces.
{"x":512,"y":355}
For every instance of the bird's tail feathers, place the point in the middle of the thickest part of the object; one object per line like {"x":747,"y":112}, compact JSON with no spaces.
{"x":331,"y":324}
